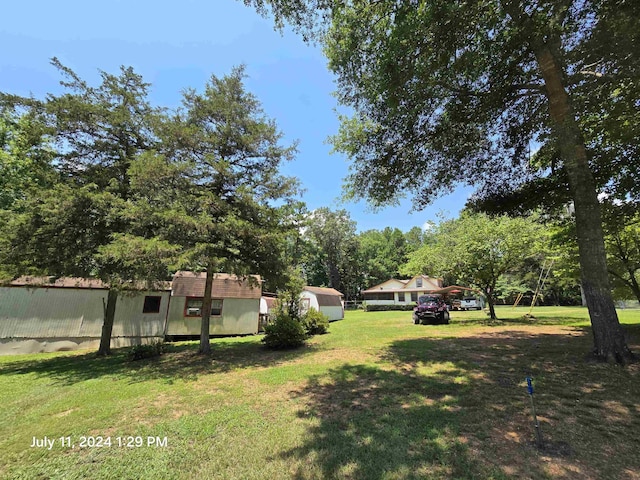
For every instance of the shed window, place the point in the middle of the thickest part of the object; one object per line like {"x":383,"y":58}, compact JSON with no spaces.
{"x":193,"y":307}
{"x":151,"y":304}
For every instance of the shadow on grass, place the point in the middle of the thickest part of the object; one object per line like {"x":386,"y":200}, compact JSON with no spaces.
{"x":370,"y":423}
{"x":588,"y":411}
{"x":536,"y":320}
{"x":180,"y":361}
{"x":458,"y":408}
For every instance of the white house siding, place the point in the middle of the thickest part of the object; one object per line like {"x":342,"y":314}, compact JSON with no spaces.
{"x":239,"y":317}
{"x":428,"y":283}
{"x":401,"y":298}
{"x":392,"y":284}
{"x":395,"y":301}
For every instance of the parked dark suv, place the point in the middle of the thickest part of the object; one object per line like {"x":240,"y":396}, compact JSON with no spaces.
{"x":431,"y":310}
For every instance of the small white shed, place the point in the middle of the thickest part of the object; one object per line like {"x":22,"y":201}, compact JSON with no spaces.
{"x":325,"y":300}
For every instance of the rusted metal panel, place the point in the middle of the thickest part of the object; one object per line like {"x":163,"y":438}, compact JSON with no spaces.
{"x":78,"y":282}
{"x":62,"y":282}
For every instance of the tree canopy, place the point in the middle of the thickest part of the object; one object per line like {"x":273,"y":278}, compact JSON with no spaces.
{"x":234,"y":207}
{"x":442,"y":91}
{"x":477,"y":250}
{"x":128,"y":192}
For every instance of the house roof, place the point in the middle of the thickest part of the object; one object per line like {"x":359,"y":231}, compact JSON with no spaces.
{"x":190,"y":284}
{"x":428,"y":283}
{"x":380,"y":285}
{"x":323,"y":291}
{"x":453,"y":288}
{"x":425,"y":289}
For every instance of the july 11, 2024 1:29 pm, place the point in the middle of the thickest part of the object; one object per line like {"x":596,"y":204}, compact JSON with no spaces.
{"x":99,"y":442}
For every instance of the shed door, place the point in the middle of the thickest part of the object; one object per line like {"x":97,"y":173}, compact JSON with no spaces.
{"x":305,"y":304}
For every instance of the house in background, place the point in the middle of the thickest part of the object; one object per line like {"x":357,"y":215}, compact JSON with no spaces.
{"x":235,"y":305}
{"x":325,"y":300}
{"x":43,"y":314}
{"x":407,"y":292}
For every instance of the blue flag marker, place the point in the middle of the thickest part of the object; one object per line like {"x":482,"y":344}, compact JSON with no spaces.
{"x":536,"y":424}
{"x":529,"y":386}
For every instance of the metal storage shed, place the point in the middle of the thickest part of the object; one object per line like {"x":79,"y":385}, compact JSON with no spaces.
{"x":325,"y":300}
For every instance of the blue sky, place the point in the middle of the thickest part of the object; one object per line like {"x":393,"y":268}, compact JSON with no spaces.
{"x":176,"y":45}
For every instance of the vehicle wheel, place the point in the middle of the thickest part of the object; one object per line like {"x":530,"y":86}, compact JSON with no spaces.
{"x":479,"y":308}
{"x":445,"y":318}
{"x":416,"y":320}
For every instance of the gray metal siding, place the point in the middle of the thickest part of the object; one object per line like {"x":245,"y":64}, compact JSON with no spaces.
{"x":131,"y":322}
{"x":75,"y":313}
{"x":50,"y":312}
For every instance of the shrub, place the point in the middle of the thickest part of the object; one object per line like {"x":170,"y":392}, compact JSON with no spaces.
{"x":284,"y":332}
{"x":149,"y":350}
{"x":315,"y":322}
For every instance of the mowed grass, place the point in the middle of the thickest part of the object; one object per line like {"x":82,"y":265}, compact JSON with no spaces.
{"x":376,"y":398}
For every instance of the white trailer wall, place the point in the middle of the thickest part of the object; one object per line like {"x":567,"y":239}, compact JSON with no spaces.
{"x":239,"y":317}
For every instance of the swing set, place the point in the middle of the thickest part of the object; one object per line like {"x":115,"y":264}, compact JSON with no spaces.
{"x":544,"y":274}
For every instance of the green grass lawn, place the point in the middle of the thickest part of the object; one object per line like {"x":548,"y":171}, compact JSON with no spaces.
{"x":376,"y":398}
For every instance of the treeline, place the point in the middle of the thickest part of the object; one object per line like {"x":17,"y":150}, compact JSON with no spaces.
{"x":499,"y":255}
{"x":332,"y":253}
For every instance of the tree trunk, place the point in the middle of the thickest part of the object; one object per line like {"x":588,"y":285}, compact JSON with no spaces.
{"x":492,"y":309}
{"x":107,"y":325}
{"x":205,"y":344}
{"x":334,"y":275}
{"x":608,"y":336}
{"x":635,"y":288}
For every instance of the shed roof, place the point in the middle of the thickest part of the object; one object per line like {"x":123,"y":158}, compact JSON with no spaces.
{"x":190,"y":284}
{"x":328,"y":300}
{"x":323,"y":291}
